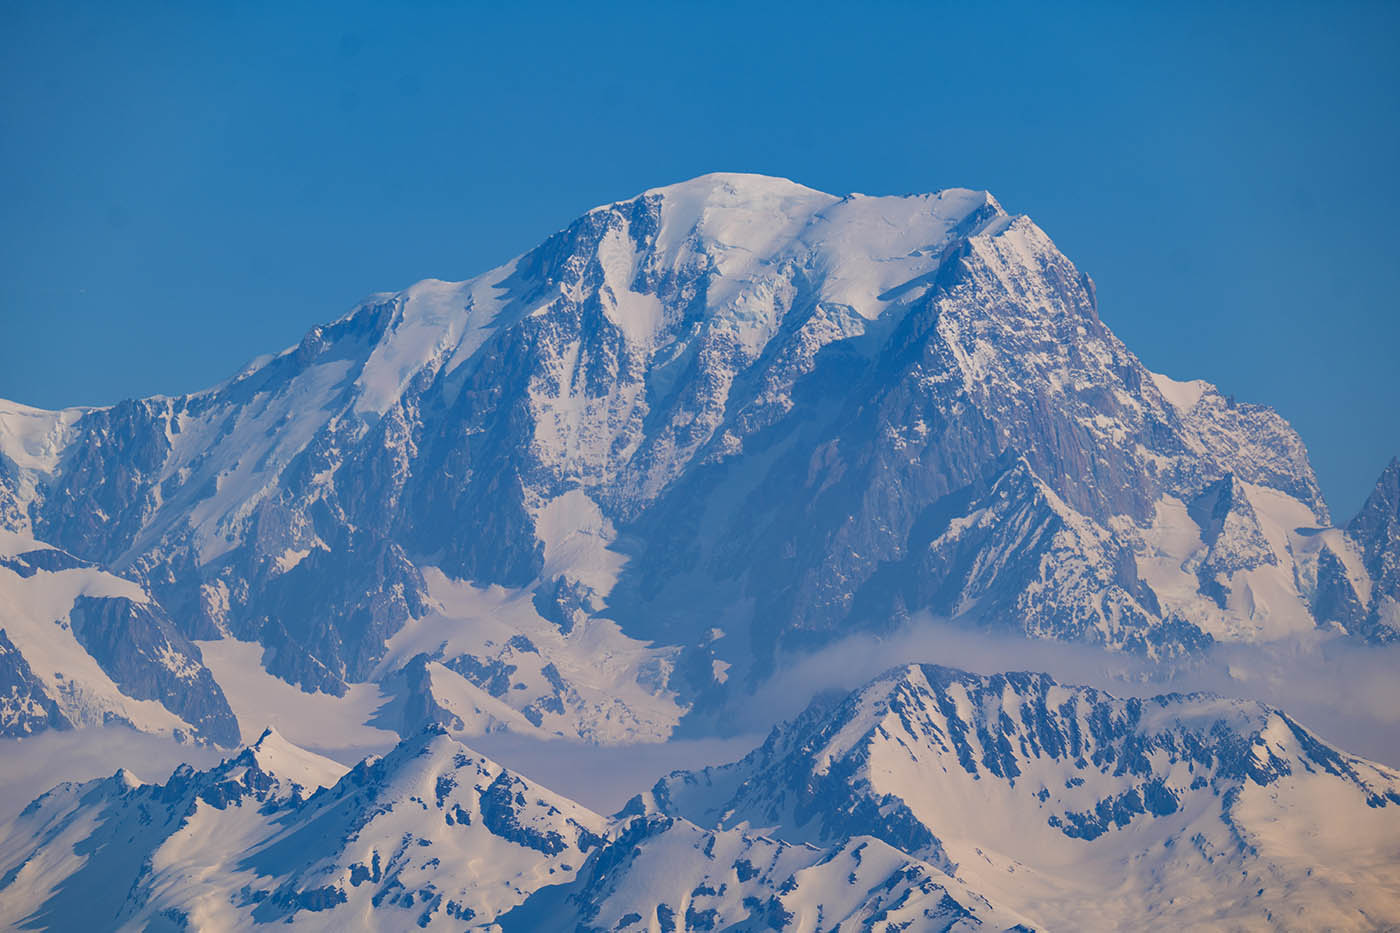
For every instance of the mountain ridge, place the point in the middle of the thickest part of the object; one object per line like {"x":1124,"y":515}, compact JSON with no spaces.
{"x":697,"y":432}
{"x":436,"y":835}
{"x":1024,"y":788}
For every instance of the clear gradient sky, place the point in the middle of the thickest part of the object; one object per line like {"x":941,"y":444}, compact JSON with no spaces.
{"x":186,"y":186}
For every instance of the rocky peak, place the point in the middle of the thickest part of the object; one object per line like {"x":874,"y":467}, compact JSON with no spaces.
{"x":1376,"y":531}
{"x":1377,"y":526}
{"x":844,"y":769}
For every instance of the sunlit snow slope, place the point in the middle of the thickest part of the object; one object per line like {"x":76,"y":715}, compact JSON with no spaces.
{"x":1076,"y":808}
{"x":928,"y":800}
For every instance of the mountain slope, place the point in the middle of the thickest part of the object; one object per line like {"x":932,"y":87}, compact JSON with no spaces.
{"x":85,"y":647}
{"x":431,"y":832}
{"x":689,"y":435}
{"x":1376,"y":532}
{"x":1175,"y":811}
{"x":930,"y":799}
{"x":116,"y":852}
{"x":678,"y":876}
{"x":434,"y":836}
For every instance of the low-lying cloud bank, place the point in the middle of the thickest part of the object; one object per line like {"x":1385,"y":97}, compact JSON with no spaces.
{"x":30,"y":766}
{"x":604,"y":777}
{"x":1349,"y":694}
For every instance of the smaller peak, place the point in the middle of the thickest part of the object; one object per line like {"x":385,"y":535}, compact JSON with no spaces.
{"x":431,"y":750}
{"x":435,"y":736}
{"x":433,"y":740}
{"x":273,"y":741}
{"x":911,"y":670}
{"x":276,"y":755}
{"x":124,"y":780}
{"x":1381,"y":510}
{"x":938,"y":676}
{"x":1389,"y":478}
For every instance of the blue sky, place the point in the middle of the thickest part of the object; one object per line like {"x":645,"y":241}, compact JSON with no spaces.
{"x":186,"y":188}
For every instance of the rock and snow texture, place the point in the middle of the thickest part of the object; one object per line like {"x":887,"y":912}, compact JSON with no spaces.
{"x":80,"y":646}
{"x":667,"y":873}
{"x":1175,"y":812}
{"x":430,"y":835}
{"x":1375,"y":532}
{"x":632,"y":470}
{"x":929,"y":800}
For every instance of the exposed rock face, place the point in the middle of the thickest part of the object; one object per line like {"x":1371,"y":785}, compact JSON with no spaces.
{"x":84,"y":647}
{"x":25,"y":706}
{"x":1335,"y":599}
{"x":149,"y":659}
{"x":1230,"y":529}
{"x":1034,"y":542}
{"x":696,"y":431}
{"x":13,"y":516}
{"x":1376,"y":530}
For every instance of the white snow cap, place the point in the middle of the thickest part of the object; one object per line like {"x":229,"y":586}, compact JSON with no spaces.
{"x":741,"y":225}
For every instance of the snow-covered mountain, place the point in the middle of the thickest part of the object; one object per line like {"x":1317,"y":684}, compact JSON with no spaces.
{"x":80,"y":646}
{"x":928,"y":800}
{"x":430,"y":832}
{"x":1376,"y":534}
{"x":1066,"y":803}
{"x":432,"y":836}
{"x":674,"y":874}
{"x":633,"y":470}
